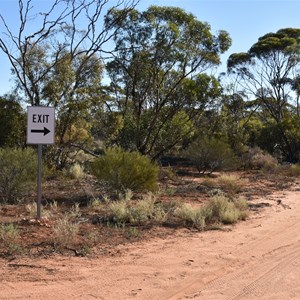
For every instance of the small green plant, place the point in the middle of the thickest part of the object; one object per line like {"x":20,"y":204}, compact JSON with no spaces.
{"x":160,"y":215}
{"x":10,"y":239}
{"x":18,"y":169}
{"x":125,"y":170}
{"x":65,"y":232}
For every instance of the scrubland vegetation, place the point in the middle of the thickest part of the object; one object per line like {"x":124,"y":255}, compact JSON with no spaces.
{"x":128,"y":149}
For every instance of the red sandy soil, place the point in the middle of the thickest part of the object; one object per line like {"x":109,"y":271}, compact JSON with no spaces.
{"x":255,"y":259}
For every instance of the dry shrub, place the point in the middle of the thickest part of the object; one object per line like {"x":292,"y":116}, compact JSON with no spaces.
{"x":229,"y":183}
{"x":257,"y":159}
{"x":291,"y":170}
{"x":191,"y":216}
{"x":31,"y":209}
{"x":226,"y":211}
{"x":65,"y":232}
{"x":219,"y":209}
{"x":76,"y":171}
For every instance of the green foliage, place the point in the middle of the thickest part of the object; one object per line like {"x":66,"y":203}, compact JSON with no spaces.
{"x":18,"y":168}
{"x":269,"y":71}
{"x":157,"y":77}
{"x":12,"y":123}
{"x":209,"y":155}
{"x":125,"y":170}
{"x":9,"y":238}
{"x":282,"y":138}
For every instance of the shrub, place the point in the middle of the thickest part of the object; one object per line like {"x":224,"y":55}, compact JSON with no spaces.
{"x":123,"y":170}
{"x":124,"y":211}
{"x":209,"y":155}
{"x":257,"y":159}
{"x":225,"y":211}
{"x":119,"y":212}
{"x":10,"y":238}
{"x":242,"y":205}
{"x":138,"y":212}
{"x":194,"y":216}
{"x":76,"y":171}
{"x":230,"y":184}
{"x":31,"y":209}
{"x":143,"y":211}
{"x":65,"y":232}
{"x":17,"y":169}
{"x":291,"y":170}
{"x":218,"y":210}
{"x":96,"y":204}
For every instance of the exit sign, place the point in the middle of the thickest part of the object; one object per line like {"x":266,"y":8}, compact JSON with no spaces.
{"x":40,"y":125}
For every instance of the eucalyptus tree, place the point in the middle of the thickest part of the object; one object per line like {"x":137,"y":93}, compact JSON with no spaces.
{"x":55,"y":50}
{"x":43,"y":32}
{"x":157,"y":75}
{"x":268,"y":72}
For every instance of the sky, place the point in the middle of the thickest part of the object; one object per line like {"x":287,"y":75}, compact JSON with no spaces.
{"x":244,"y":20}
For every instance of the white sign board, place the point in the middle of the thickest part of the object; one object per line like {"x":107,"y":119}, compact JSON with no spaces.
{"x":40,"y":125}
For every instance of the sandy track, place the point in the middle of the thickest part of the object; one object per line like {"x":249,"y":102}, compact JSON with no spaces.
{"x":256,"y":259}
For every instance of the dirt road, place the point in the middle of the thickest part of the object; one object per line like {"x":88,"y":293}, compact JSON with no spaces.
{"x":255,"y":259}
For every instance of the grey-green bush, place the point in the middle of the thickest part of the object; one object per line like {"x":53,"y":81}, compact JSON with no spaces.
{"x":18,"y":168}
{"x":123,"y":170}
{"x":209,"y":155}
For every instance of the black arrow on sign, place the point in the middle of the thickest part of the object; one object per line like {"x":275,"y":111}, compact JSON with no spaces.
{"x":45,"y":131}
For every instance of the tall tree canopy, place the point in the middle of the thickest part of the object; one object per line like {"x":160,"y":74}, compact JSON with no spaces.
{"x":55,"y":50}
{"x":157,"y":74}
{"x":269,"y":72}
